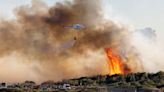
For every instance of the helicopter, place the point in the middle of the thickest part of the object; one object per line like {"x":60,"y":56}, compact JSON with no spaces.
{"x":76,"y":26}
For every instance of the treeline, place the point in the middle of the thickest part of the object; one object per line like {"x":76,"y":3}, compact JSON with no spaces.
{"x":129,"y":80}
{"x":137,"y":80}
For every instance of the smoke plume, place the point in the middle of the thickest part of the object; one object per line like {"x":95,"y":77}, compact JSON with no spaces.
{"x":149,"y":48}
{"x":36,"y":46}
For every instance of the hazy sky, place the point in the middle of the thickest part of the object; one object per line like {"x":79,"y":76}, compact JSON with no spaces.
{"x":140,"y":13}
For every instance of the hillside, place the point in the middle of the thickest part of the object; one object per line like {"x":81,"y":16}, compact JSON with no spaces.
{"x":139,"y":80}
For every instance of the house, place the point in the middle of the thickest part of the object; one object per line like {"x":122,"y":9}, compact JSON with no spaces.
{"x":51,"y":86}
{"x":66,"y":86}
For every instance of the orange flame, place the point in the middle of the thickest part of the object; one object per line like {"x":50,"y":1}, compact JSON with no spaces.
{"x":115,"y":63}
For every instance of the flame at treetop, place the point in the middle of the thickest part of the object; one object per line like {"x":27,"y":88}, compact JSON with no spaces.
{"x":114,"y":62}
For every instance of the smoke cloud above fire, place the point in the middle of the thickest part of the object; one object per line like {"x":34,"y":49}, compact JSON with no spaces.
{"x":149,"y":46}
{"x":36,"y":46}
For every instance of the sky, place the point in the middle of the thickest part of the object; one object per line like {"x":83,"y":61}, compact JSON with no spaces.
{"x":139,"y":13}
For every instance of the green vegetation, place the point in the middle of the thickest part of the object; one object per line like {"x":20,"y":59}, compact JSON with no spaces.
{"x":93,"y":84}
{"x":138,"y":80}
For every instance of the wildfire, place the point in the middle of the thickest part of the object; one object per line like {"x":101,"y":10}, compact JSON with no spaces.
{"x":115,"y":62}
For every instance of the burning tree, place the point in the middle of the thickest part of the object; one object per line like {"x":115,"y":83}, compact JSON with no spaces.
{"x":115,"y":63}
